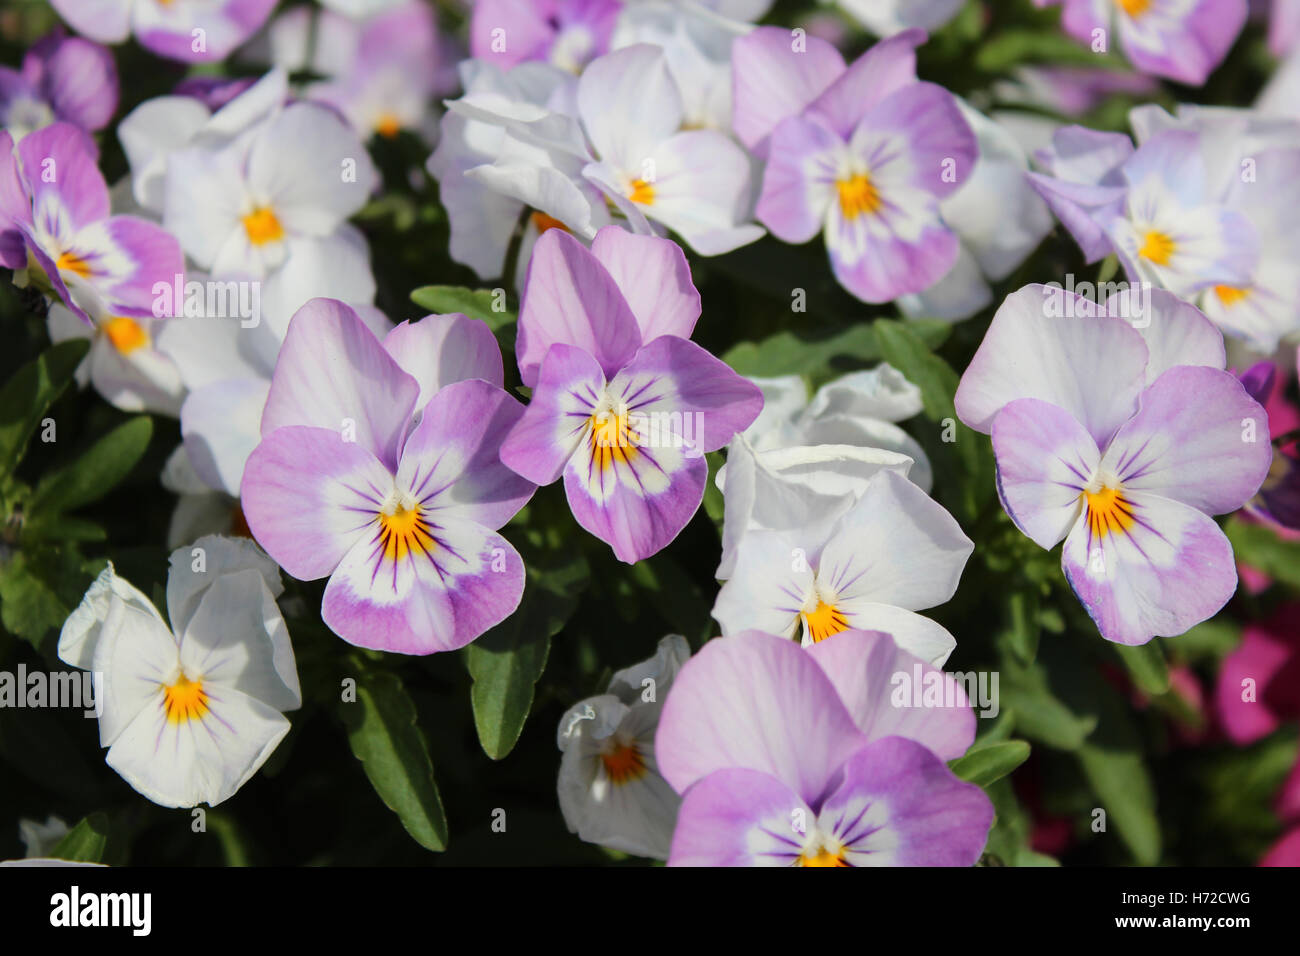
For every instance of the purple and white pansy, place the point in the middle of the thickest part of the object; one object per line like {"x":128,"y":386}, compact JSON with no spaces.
{"x":790,"y":757}
{"x":379,"y":468}
{"x":193,"y":31}
{"x":56,"y":225}
{"x":862,"y":154}
{"x":624,"y":405}
{"x":1122,"y":435}
{"x":62,"y":78}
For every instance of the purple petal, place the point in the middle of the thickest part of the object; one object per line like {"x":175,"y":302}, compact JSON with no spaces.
{"x":899,"y":805}
{"x":1168,"y":570}
{"x":439,"y":596}
{"x":1197,"y":438}
{"x":440,"y":349}
{"x":675,"y":379}
{"x":1045,"y":459}
{"x":655,"y":280}
{"x":772,"y":80}
{"x":1186,"y":47}
{"x":333,"y":373}
{"x":60,"y":167}
{"x":799,"y":180}
{"x":571,"y":299}
{"x":755,"y":702}
{"x":739,"y":818}
{"x":886,"y":68}
{"x":79,"y":80}
{"x":1049,"y":344}
{"x":309,"y":496}
{"x":558,"y":417}
{"x":865,"y":668}
{"x":451,"y":463}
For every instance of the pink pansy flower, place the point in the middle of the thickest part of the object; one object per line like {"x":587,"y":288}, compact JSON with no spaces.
{"x":1269,"y":659}
{"x":790,"y":757}
{"x":1182,"y":40}
{"x":55,"y":223}
{"x":62,"y":78}
{"x":862,"y":154}
{"x":196,"y":31}
{"x":1122,"y":439}
{"x":378,"y":468}
{"x":624,"y":405}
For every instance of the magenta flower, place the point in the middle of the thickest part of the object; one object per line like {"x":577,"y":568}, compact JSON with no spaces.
{"x":378,"y":467}
{"x":1259,"y":683}
{"x":566,"y":33}
{"x":194,"y":31}
{"x":1122,"y":439}
{"x":624,"y":405}
{"x":1183,"y":40}
{"x":55,"y":223}
{"x":862,"y":154}
{"x":792,"y":757}
{"x":62,"y":78}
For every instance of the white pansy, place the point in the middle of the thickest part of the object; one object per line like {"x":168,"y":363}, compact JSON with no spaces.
{"x":124,"y":363}
{"x":894,"y":552}
{"x":609,"y":785}
{"x":190,"y":711}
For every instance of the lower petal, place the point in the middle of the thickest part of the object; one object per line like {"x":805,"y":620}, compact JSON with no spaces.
{"x":740,"y":818}
{"x":1170,"y":569}
{"x":459,"y":581}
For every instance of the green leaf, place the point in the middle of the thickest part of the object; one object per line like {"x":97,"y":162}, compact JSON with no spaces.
{"x":26,"y":397}
{"x":1260,"y":547}
{"x":384,"y":736}
{"x":1040,"y":715}
{"x":86,"y":842}
{"x":38,"y":590}
{"x":991,"y":763}
{"x":475,"y":303}
{"x":1023,"y":626}
{"x":1009,"y":48}
{"x":1146,"y":665}
{"x":96,"y":472}
{"x":508,"y":660}
{"x":789,"y":353}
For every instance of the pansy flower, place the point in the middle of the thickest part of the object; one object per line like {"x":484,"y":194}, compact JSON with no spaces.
{"x":1183,"y":40}
{"x":295,"y":177}
{"x":1122,"y":439}
{"x":124,"y":363}
{"x":611,"y":791}
{"x":190,"y":710}
{"x":193,"y":31}
{"x":787,"y":757}
{"x":624,"y":405}
{"x":622,"y":132}
{"x":378,"y":468}
{"x":566,"y":33}
{"x":894,"y":552}
{"x":55,"y":224}
{"x":62,"y":78}
{"x":862,"y":154}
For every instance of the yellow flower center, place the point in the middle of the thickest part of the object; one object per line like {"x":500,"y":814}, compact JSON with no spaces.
{"x":184,"y":700}
{"x":1158,"y":247}
{"x":126,"y":334}
{"x":71,"y":262}
{"x":623,"y":763}
{"x":1134,"y":8}
{"x":823,"y":621}
{"x":858,"y":196}
{"x":821,"y":857}
{"x":388,"y":125}
{"x":1107,"y":511}
{"x":403,"y":532}
{"x":1230,"y":295}
{"x":641,"y":192}
{"x":611,"y":438}
{"x":262,"y":226}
